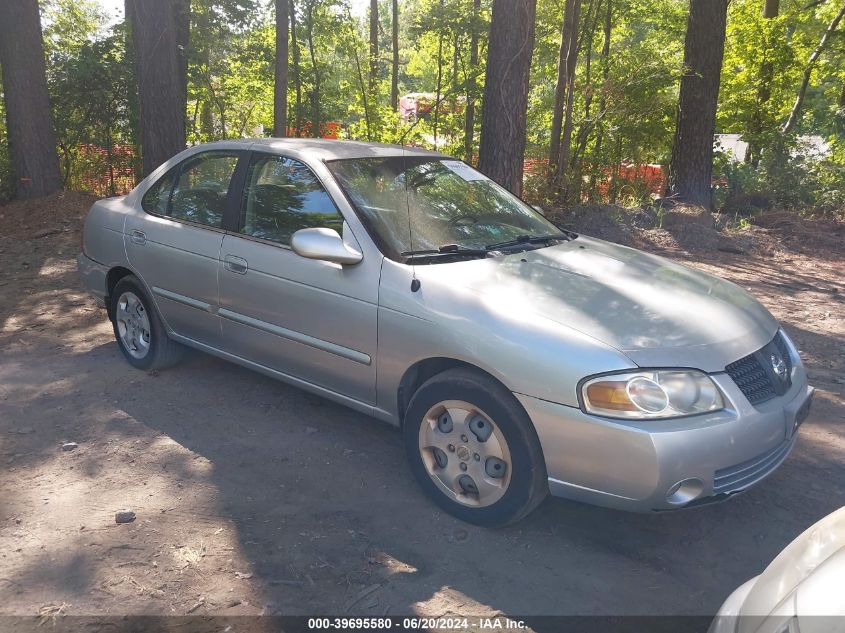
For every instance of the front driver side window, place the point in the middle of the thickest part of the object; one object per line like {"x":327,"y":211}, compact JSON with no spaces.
{"x":283,"y":195}
{"x":200,"y":193}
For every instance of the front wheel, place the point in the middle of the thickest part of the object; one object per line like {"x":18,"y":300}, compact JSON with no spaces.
{"x":473,"y":449}
{"x":139,"y":330}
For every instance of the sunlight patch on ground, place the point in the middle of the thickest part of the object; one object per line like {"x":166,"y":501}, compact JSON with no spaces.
{"x":186,"y":555}
{"x":394,"y":565}
{"x":447,"y":601}
{"x":53,"y":267}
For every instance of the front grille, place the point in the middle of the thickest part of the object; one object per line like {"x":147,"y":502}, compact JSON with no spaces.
{"x":743,"y":475}
{"x":752,"y":379}
{"x":755,"y":379}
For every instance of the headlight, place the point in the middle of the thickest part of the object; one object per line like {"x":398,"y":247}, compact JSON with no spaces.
{"x":651,"y":394}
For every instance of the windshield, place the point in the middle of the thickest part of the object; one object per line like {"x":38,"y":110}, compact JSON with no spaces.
{"x":417,"y":203}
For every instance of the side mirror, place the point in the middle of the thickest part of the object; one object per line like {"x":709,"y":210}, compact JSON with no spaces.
{"x":539,"y":209}
{"x":324,"y":244}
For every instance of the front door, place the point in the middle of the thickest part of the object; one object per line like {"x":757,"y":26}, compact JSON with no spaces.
{"x":175,"y":244}
{"x":312,"y":320}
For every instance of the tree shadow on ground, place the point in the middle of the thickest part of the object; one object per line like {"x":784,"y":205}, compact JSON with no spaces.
{"x":250,"y":491}
{"x":325,"y":516}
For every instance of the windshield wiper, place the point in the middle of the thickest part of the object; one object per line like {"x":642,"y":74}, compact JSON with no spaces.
{"x":446,"y":250}
{"x":532,"y":239}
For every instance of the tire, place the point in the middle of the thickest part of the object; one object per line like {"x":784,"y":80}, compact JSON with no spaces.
{"x":141,"y":335}
{"x":436,"y":421}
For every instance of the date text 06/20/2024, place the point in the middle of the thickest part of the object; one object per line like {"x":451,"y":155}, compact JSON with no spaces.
{"x":412,"y":623}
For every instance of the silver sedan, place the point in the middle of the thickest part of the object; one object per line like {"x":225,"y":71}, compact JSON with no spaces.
{"x":518,"y":358}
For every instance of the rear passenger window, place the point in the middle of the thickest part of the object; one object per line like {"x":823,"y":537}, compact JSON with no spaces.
{"x":281,"y":196}
{"x":200,"y":193}
{"x":157,"y":197}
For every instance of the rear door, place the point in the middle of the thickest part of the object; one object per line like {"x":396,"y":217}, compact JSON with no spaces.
{"x":175,"y":244}
{"x":312,"y":320}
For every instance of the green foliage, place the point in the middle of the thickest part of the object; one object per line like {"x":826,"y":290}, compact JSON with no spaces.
{"x":623,"y":112}
{"x":642,"y":87}
{"x":785,"y":44}
{"x":230,"y":69}
{"x":90,"y":101}
{"x":436,"y":44}
{"x":755,"y":101}
{"x":88,"y":76}
{"x":68,"y":25}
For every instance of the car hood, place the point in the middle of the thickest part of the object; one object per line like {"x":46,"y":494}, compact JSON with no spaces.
{"x":805,"y":579}
{"x":654,"y":311}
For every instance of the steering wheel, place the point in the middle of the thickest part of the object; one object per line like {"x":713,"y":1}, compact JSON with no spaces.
{"x":464,"y":220}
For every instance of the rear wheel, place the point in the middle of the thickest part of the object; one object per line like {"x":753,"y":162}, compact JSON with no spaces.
{"x":473,"y":449}
{"x":138,"y":329}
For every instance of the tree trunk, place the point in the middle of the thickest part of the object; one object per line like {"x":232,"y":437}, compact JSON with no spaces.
{"x":472,"y":84}
{"x":297,"y":70}
{"x":561,"y":177}
{"x":203,"y":40}
{"x":585,"y":127}
{"x":456,"y":47}
{"x":436,"y":112}
{"x":182,"y":21}
{"x":613,"y":185}
{"x":511,"y":44}
{"x":605,"y":73}
{"x":195,"y":117}
{"x":221,"y":108}
{"x":206,"y":121}
{"x":316,"y":124}
{"x":361,"y":83}
{"x":691,"y":165}
{"x":160,"y":81}
{"x":133,"y":113}
{"x":575,"y":181}
{"x":394,"y":77}
{"x":373,"y":44}
{"x":808,"y":71}
{"x":280,"y":87}
{"x":771,"y":8}
{"x":565,"y":67}
{"x":32,"y":141}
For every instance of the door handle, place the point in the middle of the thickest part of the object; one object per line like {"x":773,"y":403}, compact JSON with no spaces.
{"x":138,"y":237}
{"x":236,"y":264}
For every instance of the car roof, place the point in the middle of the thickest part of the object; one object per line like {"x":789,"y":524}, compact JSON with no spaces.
{"x":328,"y":149}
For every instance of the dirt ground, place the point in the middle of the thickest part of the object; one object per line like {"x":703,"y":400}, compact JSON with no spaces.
{"x":254,"y":497}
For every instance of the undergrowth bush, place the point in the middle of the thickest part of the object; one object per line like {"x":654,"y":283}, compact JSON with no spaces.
{"x":794,"y":178}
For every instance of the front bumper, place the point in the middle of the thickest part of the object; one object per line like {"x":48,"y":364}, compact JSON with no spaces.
{"x":633,"y":465}
{"x":93,"y":276}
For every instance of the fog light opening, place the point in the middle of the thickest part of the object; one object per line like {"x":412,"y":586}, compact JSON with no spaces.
{"x":684,"y":491}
